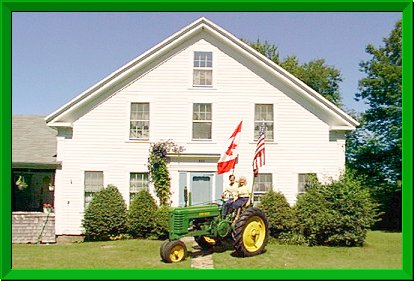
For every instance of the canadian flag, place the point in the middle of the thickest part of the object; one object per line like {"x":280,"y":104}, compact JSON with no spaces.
{"x":229,"y":157}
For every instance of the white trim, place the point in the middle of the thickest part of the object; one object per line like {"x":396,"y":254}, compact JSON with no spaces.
{"x":61,"y":124}
{"x":341,"y":128}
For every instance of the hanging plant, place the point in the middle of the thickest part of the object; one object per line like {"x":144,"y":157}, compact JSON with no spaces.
{"x":158,"y":171}
{"x":20,"y":183}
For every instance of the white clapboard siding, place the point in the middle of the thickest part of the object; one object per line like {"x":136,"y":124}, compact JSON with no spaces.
{"x":100,"y":137}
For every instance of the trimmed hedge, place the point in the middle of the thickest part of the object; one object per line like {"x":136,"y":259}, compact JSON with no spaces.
{"x":105,"y":216}
{"x":142,"y":215}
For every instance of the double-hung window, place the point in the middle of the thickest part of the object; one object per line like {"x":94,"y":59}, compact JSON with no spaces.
{"x":93,"y":183}
{"x":262,"y":184}
{"x":304,"y":181}
{"x":139,"y":121}
{"x":137,"y":181}
{"x":202,"y":121}
{"x":203,"y":69}
{"x":263,"y":116}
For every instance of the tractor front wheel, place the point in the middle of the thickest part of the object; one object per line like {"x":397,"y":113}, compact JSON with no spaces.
{"x":173,"y":251}
{"x":251,"y":233}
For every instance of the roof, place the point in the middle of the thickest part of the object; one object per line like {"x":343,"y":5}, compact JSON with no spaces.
{"x":33,"y":142}
{"x":78,"y":106}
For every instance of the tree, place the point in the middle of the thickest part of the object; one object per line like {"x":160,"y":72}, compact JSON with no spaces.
{"x":321,"y":77}
{"x":375,"y":148}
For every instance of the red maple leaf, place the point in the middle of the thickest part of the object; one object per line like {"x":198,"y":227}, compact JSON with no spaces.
{"x":230,"y":149}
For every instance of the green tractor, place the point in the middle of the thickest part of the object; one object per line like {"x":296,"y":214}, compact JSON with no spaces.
{"x":246,"y":228}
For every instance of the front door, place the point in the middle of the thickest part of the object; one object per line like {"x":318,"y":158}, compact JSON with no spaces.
{"x":201,"y":188}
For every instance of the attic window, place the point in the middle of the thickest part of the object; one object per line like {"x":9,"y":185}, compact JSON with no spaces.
{"x":139,"y":121}
{"x":203,"y":69}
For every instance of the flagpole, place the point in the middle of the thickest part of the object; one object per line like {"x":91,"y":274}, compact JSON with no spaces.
{"x":261,"y":132}
{"x":251,"y":193}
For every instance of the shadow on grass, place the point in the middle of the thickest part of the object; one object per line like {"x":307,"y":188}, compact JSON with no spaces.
{"x":222,"y":246}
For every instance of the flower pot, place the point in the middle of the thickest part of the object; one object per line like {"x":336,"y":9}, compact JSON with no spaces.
{"x":47,"y":210}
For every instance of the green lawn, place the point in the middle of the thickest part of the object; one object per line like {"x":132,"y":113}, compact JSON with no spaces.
{"x":382,"y":250}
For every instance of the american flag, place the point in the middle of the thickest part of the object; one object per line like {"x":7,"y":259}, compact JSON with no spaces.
{"x":259,"y":155}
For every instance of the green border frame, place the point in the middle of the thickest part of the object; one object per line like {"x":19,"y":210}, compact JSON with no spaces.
{"x":6,"y":9}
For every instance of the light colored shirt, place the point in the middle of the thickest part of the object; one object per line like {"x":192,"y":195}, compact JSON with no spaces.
{"x":243,"y":191}
{"x":230,"y":191}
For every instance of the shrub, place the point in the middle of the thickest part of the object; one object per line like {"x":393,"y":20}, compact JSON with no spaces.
{"x":278,"y":212}
{"x":142,"y":215}
{"x":105,"y":216}
{"x":336,"y":214}
{"x":161,"y":223}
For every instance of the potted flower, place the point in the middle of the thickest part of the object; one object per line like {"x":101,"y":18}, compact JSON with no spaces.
{"x":47,"y":208}
{"x":21,"y":184}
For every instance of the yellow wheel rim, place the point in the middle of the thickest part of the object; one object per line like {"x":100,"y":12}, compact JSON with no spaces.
{"x":209,"y":240}
{"x":177,"y":253}
{"x":254,"y":234}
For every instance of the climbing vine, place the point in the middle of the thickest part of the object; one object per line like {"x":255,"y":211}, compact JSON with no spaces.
{"x":158,"y":171}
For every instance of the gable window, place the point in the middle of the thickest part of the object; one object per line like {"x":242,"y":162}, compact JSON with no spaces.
{"x":262,"y":184}
{"x":263,"y":115}
{"x":139,"y":121}
{"x":203,"y":69}
{"x":93,"y":183}
{"x":137,"y":181}
{"x":202,"y":121}
{"x":304,"y":181}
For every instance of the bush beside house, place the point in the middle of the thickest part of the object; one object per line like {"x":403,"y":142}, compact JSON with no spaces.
{"x":335,"y":214}
{"x":105,"y":216}
{"x":278,"y":212}
{"x":142,"y":215}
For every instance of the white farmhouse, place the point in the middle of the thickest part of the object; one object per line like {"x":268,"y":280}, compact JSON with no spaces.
{"x":193,"y":88}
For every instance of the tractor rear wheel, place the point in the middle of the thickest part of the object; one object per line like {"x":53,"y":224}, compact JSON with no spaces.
{"x":173,"y":251}
{"x":251,"y":233}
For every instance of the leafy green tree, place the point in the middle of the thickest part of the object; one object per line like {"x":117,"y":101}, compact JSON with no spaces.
{"x":379,"y":138}
{"x":321,"y":77}
{"x":375,"y":148}
{"x":265,"y":48}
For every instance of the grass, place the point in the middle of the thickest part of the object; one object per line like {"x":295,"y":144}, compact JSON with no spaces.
{"x":109,"y":254}
{"x":381,"y":250}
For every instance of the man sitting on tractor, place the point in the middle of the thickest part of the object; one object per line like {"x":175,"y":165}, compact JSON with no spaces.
{"x":229,"y":194}
{"x":243,"y":196}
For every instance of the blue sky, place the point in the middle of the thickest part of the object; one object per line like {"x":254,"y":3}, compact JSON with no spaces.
{"x":56,"y":56}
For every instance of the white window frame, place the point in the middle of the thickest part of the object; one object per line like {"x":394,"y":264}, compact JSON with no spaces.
{"x":258,"y":122}
{"x":143,"y":130}
{"x":199,"y":120}
{"x":302,"y":182}
{"x":91,"y":189}
{"x":134,"y":186}
{"x":257,"y":194}
{"x":200,"y":66}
